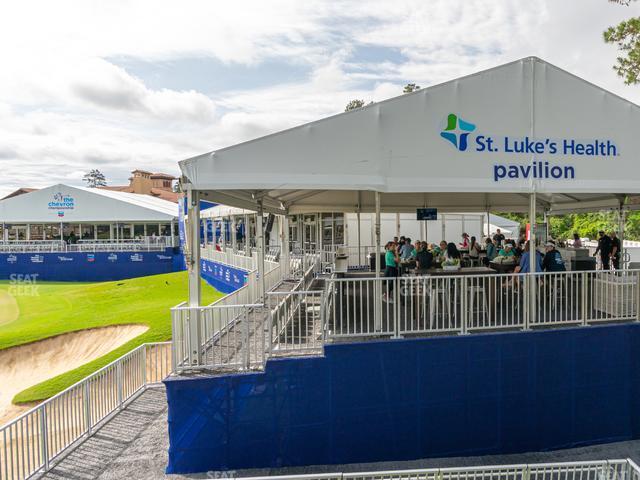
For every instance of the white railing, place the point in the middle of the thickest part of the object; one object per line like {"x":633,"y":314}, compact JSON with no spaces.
{"x":30,"y":443}
{"x":465,"y":303}
{"x":229,"y":337}
{"x":357,"y":257}
{"x":148,"y":244}
{"x":230,"y":258}
{"x":595,"y":470}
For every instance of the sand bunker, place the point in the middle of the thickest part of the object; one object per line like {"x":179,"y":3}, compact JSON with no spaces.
{"x":27,"y":365}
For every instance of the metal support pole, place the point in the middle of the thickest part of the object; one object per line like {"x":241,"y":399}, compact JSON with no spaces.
{"x":359,"y":241}
{"x":193,"y":267}
{"x":398,"y":224}
{"x":284,"y":248}
{"x":378,"y":289}
{"x":119,"y":384}
{"x":488,"y":224}
{"x":234,"y":239}
{"x":44,"y":438}
{"x":260,"y":245}
{"x":532,"y":261}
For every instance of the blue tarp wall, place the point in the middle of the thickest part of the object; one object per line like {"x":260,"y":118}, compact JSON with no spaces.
{"x":224,"y":278}
{"x":408,"y":399}
{"x":89,"y":267}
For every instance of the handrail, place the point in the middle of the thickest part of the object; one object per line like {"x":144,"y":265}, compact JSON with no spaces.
{"x":30,"y":442}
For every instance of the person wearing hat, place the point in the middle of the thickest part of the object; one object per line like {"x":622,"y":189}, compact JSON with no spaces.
{"x":507,"y":251}
{"x":552,"y":261}
{"x":604,"y":249}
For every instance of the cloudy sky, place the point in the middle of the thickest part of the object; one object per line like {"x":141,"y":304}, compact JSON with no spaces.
{"x":117,"y":85}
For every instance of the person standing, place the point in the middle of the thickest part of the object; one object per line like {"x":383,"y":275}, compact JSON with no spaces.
{"x":498,"y":238}
{"x":616,"y":251}
{"x":391,"y":262}
{"x":577,"y":243}
{"x":604,"y":249}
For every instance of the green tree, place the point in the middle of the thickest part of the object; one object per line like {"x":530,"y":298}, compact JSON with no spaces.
{"x":354,"y":105}
{"x":410,"y":87}
{"x":626,"y":35}
{"x":95,"y":178}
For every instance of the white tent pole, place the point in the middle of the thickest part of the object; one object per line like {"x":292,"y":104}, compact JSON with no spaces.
{"x":193,"y":266}
{"x":378,"y":290}
{"x":359,"y":242}
{"x":532,"y":260}
{"x":284,"y":247}
{"x":488,"y":225}
{"x":622,"y":218}
{"x":234,"y":240}
{"x":260,"y":245}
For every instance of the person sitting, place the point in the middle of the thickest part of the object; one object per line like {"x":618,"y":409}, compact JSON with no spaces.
{"x":492,"y":251}
{"x":452,"y":255}
{"x":424,"y":258}
{"x":577,"y":242}
{"x":523,"y":267}
{"x":506,"y":251}
{"x":552,"y":261}
{"x":442,"y":250}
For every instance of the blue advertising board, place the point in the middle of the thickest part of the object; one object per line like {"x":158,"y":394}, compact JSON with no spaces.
{"x":223,"y":278}
{"x":90,"y":267}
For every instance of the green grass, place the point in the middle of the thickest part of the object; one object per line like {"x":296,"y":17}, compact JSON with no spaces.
{"x":67,"y":307}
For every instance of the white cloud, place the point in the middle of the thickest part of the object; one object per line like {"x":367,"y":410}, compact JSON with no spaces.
{"x":64,"y":108}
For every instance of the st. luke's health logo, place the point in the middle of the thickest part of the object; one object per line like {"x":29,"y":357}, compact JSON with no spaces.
{"x":457,"y":131}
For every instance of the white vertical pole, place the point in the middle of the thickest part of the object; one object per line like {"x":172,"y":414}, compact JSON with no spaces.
{"x":234,"y":240}
{"x":378,"y":289}
{"x":532,"y":260}
{"x":260,"y":245}
{"x":284,"y":248}
{"x":28,"y":232}
{"x":358,"y":235}
{"x":193,"y":265}
{"x":488,"y":224}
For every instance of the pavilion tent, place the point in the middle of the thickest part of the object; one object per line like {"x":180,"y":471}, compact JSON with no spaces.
{"x":521,"y":137}
{"x":482,"y":141}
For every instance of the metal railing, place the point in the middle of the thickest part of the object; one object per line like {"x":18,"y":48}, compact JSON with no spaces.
{"x":595,"y":470}
{"x":147,"y":244}
{"x":31,"y":442}
{"x":465,"y":303}
{"x":357,"y":257}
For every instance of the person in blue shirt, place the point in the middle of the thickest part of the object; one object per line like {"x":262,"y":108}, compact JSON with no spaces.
{"x":524,"y":260}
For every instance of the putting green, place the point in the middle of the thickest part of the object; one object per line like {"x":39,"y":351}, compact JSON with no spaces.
{"x":48,"y":309}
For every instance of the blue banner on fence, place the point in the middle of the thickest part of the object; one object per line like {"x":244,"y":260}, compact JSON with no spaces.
{"x":90,"y":267}
{"x":222,"y":277}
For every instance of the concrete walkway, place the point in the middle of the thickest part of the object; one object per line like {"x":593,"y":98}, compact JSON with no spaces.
{"x":134,"y":445}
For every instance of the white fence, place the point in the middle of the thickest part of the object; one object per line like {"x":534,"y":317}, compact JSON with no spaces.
{"x":147,"y":244}
{"x":465,"y":303}
{"x":598,"y":470}
{"x":30,"y":443}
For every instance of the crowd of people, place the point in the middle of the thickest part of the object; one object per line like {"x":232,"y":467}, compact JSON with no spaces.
{"x":497,"y":248}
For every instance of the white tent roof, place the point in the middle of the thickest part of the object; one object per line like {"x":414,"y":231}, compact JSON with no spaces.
{"x":63,"y":203}
{"x":496,"y":136}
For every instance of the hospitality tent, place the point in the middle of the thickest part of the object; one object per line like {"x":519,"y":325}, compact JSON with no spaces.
{"x":522,"y":136}
{"x":64,"y":203}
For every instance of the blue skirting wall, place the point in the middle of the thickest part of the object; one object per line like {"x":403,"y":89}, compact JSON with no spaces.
{"x":224,"y":278}
{"x":88,"y":267}
{"x":408,"y":399}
